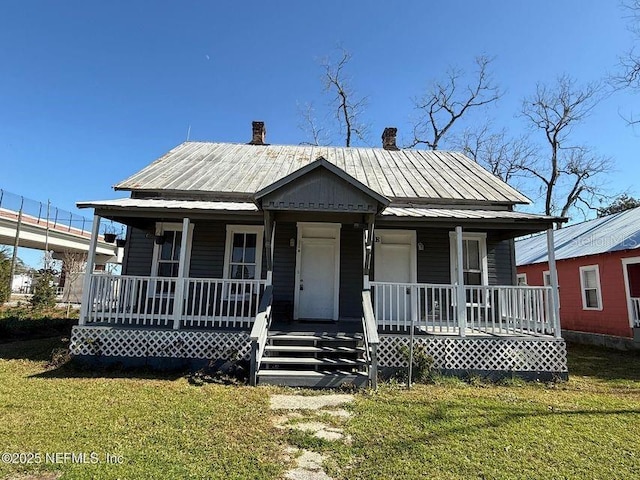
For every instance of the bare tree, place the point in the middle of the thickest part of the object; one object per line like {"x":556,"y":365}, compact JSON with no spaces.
{"x":348,"y":106}
{"x":569,"y":174}
{"x":317,"y":134}
{"x":629,"y":74}
{"x":497,"y":152}
{"x":446,"y":102}
{"x":73,"y":265}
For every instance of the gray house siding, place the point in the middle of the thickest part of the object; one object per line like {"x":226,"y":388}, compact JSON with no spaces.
{"x":139,"y":253}
{"x":501,"y":269}
{"x":433,"y":263}
{"x":351,"y":244}
{"x":207,"y":251}
{"x":284,"y":268}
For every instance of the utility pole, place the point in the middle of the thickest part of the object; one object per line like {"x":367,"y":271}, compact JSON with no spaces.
{"x":14,"y":256}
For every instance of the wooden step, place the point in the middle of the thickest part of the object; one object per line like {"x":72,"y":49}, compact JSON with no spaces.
{"x":314,"y":337}
{"x":311,"y":361}
{"x":311,"y":349}
{"x":312,"y":379}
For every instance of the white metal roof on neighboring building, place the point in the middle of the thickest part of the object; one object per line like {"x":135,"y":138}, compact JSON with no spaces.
{"x":620,"y":231}
{"x":242,"y":170}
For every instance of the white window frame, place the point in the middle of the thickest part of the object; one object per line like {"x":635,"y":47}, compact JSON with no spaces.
{"x":258,"y":230}
{"x":546,"y":278}
{"x":587,"y":268}
{"x":481,"y":237}
{"x":162,"y":227}
{"x":521,"y":276}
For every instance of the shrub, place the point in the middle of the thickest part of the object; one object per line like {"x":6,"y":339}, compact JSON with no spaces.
{"x":422,"y":370}
{"x":5,"y":276}
{"x":44,"y":295}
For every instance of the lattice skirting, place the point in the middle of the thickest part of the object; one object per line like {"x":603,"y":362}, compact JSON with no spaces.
{"x":485,"y":354}
{"x":137,"y":343}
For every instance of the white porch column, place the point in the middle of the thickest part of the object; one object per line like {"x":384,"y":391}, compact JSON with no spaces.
{"x":91,"y":260}
{"x":180,"y":281}
{"x":553,"y":273}
{"x":461,"y":297}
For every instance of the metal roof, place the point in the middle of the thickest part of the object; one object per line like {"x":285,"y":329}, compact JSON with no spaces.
{"x":241,"y":170}
{"x":150,"y":204}
{"x":620,"y":231}
{"x":464,"y":214}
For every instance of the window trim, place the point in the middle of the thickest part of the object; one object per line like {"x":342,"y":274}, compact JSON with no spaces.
{"x":481,"y":237}
{"x":586,"y":268}
{"x":546,"y":274}
{"x":233,"y":229}
{"x":521,"y":276}
{"x":625,"y":263}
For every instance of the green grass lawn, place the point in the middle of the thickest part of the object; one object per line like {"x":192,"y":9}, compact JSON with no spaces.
{"x":167,"y":427}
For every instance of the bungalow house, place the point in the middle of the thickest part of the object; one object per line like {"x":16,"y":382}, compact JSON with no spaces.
{"x":598,"y":264}
{"x":317,"y":264}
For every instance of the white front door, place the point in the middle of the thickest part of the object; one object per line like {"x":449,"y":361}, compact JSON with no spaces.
{"x":317,"y":271}
{"x":394,"y":263}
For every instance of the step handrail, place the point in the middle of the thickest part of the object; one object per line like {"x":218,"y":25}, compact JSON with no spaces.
{"x":371,"y":338}
{"x":259,"y":333}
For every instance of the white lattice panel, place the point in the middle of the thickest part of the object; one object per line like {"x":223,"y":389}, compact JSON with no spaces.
{"x":479,"y":353}
{"x":109,"y":341}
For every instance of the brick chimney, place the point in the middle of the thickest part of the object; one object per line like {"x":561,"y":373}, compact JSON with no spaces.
{"x":259,"y":133}
{"x":389,"y":138}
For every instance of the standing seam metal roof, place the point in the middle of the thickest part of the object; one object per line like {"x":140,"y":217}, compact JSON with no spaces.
{"x":227,"y":168}
{"x":620,"y":231}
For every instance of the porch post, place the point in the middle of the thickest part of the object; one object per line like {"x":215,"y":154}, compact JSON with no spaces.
{"x":269,"y":232}
{"x":368,"y":247}
{"x":91,"y":260}
{"x":461,"y":297}
{"x":553,"y":273}
{"x":180,"y":281}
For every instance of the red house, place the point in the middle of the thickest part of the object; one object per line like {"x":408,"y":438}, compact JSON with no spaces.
{"x":598,"y":265}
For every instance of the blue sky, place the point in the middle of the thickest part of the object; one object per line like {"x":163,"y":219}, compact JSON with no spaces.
{"x":90,"y":92}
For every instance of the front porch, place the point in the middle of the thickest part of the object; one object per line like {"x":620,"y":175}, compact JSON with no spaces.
{"x":501,"y":330}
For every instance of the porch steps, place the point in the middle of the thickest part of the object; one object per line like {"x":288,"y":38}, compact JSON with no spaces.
{"x":313,"y":379}
{"x":313,"y":359}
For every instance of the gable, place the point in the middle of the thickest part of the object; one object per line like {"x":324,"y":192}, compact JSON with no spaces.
{"x":320,"y":186}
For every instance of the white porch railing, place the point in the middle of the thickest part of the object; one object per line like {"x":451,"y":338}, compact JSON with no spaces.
{"x":431,"y":308}
{"x":635,"y":309}
{"x":149,"y":301}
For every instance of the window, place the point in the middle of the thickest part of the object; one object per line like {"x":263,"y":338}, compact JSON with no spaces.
{"x":590,"y":285}
{"x":166,"y":255}
{"x":522,"y":279}
{"x":474,"y":258}
{"x":546,"y":278}
{"x":169,"y":254}
{"x":243,"y":255}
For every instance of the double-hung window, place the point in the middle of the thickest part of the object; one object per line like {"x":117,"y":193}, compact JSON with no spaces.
{"x":166,"y":256}
{"x":243,"y":256}
{"x":474,"y":261}
{"x":590,"y":286}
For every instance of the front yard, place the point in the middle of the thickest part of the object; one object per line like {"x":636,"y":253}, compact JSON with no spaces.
{"x":168,"y":427}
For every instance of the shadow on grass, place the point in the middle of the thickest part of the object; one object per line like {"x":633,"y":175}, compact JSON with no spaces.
{"x":444,"y":420}
{"x":603,"y":363}
{"x":73,"y":369}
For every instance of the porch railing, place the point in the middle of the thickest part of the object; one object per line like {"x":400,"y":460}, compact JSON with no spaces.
{"x":259,"y":334}
{"x":635,"y":308}
{"x":149,"y":301}
{"x":431,"y":308}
